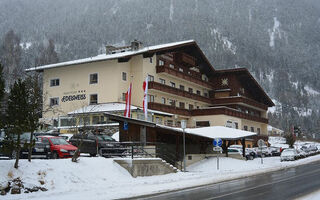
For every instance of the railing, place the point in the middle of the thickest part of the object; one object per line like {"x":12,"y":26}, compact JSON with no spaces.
{"x":140,"y":150}
{"x":207,"y":111}
{"x":227,"y":111}
{"x":176,"y":91}
{"x":237,"y":99}
{"x":168,"y":108}
{"x":192,"y":77}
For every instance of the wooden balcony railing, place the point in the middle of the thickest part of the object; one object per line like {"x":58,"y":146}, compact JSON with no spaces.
{"x":229,"y":112}
{"x":176,"y":91}
{"x":238,"y":99}
{"x":184,"y":75}
{"x":168,"y":109}
{"x":209,"y":111}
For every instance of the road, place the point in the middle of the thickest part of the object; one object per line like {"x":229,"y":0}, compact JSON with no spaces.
{"x":290,"y":183}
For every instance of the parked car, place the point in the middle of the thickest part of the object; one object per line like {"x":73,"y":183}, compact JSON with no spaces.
{"x":275,"y":151}
{"x":59,"y":147}
{"x":93,"y":143}
{"x":264,"y":151}
{"x":39,"y":149}
{"x":288,"y":154}
{"x":66,"y":136}
{"x":238,"y":152}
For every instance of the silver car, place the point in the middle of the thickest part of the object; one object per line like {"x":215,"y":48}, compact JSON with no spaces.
{"x":288,"y":154}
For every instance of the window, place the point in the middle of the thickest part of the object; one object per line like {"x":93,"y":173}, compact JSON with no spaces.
{"x":163,"y":100}
{"x":150,"y":98}
{"x":258,"y":131}
{"x":161,"y":62}
{"x":172,"y":102}
{"x":248,"y":146}
{"x":245,"y":128}
{"x":169,"y":123}
{"x":182,"y":87}
{"x":54,"y":82}
{"x":236,"y":125}
{"x":171,"y":66}
{"x":190,"y":107}
{"x":190,"y":90}
{"x":202,"y":123}
{"x":205,"y":94}
{"x":84,"y":121}
{"x":198,"y":92}
{"x":158,"y":120}
{"x":162,"y":81}
{"x":124,"y":76}
{"x":54,"y":101}
{"x":182,"y":105}
{"x":150,"y":78}
{"x":252,"y":129}
{"x":123,"y":96}
{"x":93,"y":98}
{"x":95,"y":120}
{"x":180,"y":70}
{"x":150,"y":59}
{"x":93,"y":78}
{"x":172,"y":84}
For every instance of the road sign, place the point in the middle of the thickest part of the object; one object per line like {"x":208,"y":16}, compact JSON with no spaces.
{"x":217,"y":142}
{"x":125,"y":126}
{"x":261,"y":143}
{"x":219,"y":149}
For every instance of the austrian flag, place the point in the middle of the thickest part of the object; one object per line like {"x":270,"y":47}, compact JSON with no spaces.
{"x":145,"y":98}
{"x":127,"y":110}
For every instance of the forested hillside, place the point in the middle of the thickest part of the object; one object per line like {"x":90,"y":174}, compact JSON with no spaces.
{"x":278,"y":41}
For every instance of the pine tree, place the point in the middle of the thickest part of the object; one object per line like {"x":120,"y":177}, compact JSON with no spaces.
{"x":34,"y":107}
{"x":2,"y":86}
{"x":17,"y":114}
{"x":11,"y":57}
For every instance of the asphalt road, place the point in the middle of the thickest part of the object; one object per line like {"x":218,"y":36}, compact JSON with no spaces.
{"x":280,"y":185}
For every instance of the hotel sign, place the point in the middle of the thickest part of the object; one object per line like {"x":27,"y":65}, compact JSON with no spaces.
{"x":74,"y":96}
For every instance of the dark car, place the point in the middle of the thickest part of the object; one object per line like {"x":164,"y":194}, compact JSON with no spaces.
{"x":94,"y":143}
{"x":39,"y":149}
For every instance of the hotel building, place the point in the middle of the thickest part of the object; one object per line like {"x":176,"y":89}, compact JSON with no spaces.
{"x":183,"y":85}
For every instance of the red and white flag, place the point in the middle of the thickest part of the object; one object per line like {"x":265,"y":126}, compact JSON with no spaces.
{"x":127,"y":110}
{"x":145,"y":98}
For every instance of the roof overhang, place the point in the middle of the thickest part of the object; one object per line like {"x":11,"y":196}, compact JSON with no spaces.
{"x":212,"y":132}
{"x":246,"y":78}
{"x":189,"y":46}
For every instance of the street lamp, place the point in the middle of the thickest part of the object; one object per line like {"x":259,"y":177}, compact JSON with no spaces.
{"x":183,"y":126}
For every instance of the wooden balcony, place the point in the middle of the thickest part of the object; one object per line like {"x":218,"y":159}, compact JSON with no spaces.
{"x":184,"y":59}
{"x":168,"y":109}
{"x":176,"y":91}
{"x":229,"y":112}
{"x":192,"y":76}
{"x":238,"y":99}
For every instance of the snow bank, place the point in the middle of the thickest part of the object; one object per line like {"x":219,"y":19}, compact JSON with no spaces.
{"x":99,"y":178}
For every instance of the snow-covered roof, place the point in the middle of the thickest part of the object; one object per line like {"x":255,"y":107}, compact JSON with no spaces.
{"x":103,"y":57}
{"x":214,"y":132}
{"x":104,"y":107}
{"x":111,"y":107}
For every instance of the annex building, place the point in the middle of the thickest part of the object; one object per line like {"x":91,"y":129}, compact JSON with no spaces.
{"x":183,"y":85}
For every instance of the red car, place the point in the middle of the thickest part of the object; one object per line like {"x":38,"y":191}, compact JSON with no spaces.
{"x":59,"y":147}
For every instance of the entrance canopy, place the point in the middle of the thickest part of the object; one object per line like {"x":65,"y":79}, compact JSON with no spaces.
{"x":214,"y":132}
{"x":211,"y":132}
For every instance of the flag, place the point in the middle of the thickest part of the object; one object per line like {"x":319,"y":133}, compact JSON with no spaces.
{"x":145,"y":98}
{"x":127,"y":110}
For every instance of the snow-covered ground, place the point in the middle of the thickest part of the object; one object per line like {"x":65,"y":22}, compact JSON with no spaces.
{"x":101,"y":178}
{"x":313,"y":196}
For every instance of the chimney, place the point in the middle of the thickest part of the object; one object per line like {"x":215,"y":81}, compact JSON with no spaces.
{"x":110,"y":49}
{"x":136,"y":45}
